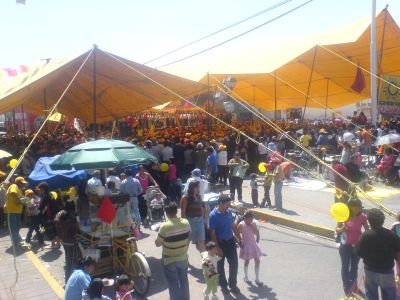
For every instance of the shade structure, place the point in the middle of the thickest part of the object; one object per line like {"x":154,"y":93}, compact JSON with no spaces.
{"x":321,"y":74}
{"x":102,"y":153}
{"x":119,"y":90}
{"x":56,"y":179}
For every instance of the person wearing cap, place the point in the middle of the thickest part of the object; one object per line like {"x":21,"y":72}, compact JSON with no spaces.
{"x":237,"y":171}
{"x":222,"y":158}
{"x":378,"y":247}
{"x":32,"y":205}
{"x":80,"y":279}
{"x":322,"y":142}
{"x":196,"y":176}
{"x":224,"y":234}
{"x":350,"y":232}
{"x":13,"y":207}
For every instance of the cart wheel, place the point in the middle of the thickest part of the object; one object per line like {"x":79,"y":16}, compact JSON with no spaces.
{"x":139,"y":270}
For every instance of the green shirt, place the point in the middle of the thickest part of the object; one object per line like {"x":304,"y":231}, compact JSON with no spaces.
{"x":174,"y":236}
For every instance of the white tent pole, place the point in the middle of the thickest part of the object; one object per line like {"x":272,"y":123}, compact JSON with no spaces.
{"x":374,"y":101}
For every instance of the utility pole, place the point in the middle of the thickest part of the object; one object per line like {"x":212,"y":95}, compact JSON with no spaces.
{"x":374,"y":94}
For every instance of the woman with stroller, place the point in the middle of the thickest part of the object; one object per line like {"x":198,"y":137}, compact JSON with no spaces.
{"x":193,"y":210}
{"x":145,"y":179}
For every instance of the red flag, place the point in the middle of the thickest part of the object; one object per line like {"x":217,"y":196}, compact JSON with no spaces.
{"x":106,"y":211}
{"x":359,"y":81}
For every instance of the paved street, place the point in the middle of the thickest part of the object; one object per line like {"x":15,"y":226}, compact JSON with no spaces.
{"x":296,"y":266}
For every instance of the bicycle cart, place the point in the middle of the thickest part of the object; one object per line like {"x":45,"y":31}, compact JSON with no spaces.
{"x":112,"y":245}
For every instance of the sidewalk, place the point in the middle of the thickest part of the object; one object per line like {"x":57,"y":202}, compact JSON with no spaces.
{"x":307,"y":208}
{"x":33,"y":278}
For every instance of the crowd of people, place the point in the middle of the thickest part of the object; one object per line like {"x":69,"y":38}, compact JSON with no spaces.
{"x":204,"y":159}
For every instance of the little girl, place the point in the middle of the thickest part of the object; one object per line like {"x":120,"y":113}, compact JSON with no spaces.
{"x":249,"y":249}
{"x":123,"y":288}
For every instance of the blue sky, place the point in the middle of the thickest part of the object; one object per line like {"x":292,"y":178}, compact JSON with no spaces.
{"x":142,"y":30}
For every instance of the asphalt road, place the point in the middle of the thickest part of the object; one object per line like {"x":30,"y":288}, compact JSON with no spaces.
{"x":296,"y":266}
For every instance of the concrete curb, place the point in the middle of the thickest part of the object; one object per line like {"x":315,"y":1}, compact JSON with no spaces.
{"x":274,"y":218}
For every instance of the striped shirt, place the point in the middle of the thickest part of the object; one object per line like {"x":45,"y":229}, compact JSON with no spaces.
{"x":174,"y":236}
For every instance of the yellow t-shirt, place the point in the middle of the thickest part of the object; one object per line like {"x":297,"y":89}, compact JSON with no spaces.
{"x":13,"y":205}
{"x":305,"y":140}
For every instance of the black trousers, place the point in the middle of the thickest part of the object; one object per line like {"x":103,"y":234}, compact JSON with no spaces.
{"x":223,"y":174}
{"x":235,"y":183}
{"x":228,"y":248}
{"x":71,"y":258}
{"x":34,"y":224}
{"x":142,"y":207}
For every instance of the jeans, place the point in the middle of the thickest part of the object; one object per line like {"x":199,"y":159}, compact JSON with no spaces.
{"x":235,"y":183}
{"x":267,"y":198}
{"x":135,"y":209}
{"x":278,"y":194}
{"x":349,"y":267}
{"x":177,"y":277}
{"x":142,"y":206}
{"x":385,"y":281}
{"x":71,"y":256}
{"x":171,"y":190}
{"x":15,"y":225}
{"x":34,"y":224}
{"x":229,"y":251}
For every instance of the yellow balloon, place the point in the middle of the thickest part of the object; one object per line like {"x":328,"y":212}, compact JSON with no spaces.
{"x":13,"y":163}
{"x":164,"y":167}
{"x":261,"y":167}
{"x":340,"y":212}
{"x":54,"y":195}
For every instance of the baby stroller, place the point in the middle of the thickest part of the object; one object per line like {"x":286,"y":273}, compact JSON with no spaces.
{"x":154,"y":214}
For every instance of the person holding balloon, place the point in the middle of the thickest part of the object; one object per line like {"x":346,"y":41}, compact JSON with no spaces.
{"x":351,"y":220}
{"x":268,"y":177}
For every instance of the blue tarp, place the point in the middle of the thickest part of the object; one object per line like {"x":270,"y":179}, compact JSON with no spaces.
{"x":55,"y":179}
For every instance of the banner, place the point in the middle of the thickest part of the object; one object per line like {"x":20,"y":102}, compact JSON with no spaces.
{"x":389,"y":95}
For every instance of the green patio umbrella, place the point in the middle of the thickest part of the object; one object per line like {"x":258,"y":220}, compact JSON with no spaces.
{"x":100,"y":154}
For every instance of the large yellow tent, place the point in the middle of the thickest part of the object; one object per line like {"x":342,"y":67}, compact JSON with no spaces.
{"x":322,"y":73}
{"x":119,"y":90}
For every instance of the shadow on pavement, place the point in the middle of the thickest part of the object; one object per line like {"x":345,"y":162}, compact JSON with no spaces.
{"x":51,"y":255}
{"x":158,"y":283}
{"x":262,"y":292}
{"x":196,"y":273}
{"x":18,"y":251}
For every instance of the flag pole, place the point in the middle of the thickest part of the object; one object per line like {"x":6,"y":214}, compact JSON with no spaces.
{"x":309,"y":84}
{"x":374,"y":102}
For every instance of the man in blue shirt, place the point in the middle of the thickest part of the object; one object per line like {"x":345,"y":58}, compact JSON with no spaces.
{"x":223,"y":233}
{"x":79,"y":279}
{"x":212,"y":166}
{"x":132,"y":187}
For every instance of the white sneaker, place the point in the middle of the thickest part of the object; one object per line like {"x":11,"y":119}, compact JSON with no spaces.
{"x":214,"y":297}
{"x":205,"y":295}
{"x":246,"y":279}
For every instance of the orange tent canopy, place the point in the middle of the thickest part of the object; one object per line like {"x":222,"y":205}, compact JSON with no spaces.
{"x":120,"y":90}
{"x":331,"y":76}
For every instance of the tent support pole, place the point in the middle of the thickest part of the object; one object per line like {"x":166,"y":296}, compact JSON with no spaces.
{"x":326,"y":97}
{"x":275,"y":100}
{"x":374,"y":102}
{"x":23,"y":118}
{"x":45,"y":115}
{"x":14,"y":125}
{"x":381,"y":52}
{"x":309,"y":84}
{"x":208,"y":104}
{"x":94,"y":93}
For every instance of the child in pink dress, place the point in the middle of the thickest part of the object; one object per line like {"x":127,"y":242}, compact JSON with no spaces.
{"x":249,"y":249}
